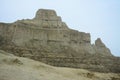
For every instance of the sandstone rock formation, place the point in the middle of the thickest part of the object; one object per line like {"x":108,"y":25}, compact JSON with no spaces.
{"x":100,"y":48}
{"x":18,"y":68}
{"x":48,"y":29}
{"x":48,"y":39}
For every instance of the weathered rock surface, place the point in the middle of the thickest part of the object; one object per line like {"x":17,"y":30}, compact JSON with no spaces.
{"x":18,"y":68}
{"x":48,"y":39}
{"x":100,"y":48}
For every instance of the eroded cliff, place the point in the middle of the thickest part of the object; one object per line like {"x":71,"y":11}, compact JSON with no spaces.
{"x":48,"y":39}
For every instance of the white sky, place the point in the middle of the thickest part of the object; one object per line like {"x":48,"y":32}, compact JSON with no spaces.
{"x":101,"y":18}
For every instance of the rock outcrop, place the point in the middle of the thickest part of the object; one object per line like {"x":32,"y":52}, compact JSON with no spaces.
{"x":100,"y":48}
{"x":18,"y":68}
{"x":48,"y":39}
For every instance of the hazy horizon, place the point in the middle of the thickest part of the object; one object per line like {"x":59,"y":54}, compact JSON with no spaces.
{"x":100,"y":18}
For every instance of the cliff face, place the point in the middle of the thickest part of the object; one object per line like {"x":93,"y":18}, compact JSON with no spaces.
{"x":47,"y":35}
{"x":47,"y":29}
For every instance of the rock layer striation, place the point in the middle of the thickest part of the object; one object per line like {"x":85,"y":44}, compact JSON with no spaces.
{"x":48,"y":39}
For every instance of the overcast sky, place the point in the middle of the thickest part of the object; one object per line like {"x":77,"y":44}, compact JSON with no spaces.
{"x":101,"y":18}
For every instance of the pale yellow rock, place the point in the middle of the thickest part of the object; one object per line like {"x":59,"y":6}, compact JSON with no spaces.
{"x":46,"y":35}
{"x":17,"y":68}
{"x":47,"y":28}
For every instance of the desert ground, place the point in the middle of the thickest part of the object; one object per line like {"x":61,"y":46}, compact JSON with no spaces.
{"x":19,"y":68}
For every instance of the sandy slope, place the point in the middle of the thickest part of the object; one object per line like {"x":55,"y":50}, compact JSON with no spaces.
{"x":18,"y":68}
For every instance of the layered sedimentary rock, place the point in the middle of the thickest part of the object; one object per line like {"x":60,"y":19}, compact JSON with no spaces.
{"x":48,"y":39}
{"x":47,"y":29}
{"x":17,"y":68}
